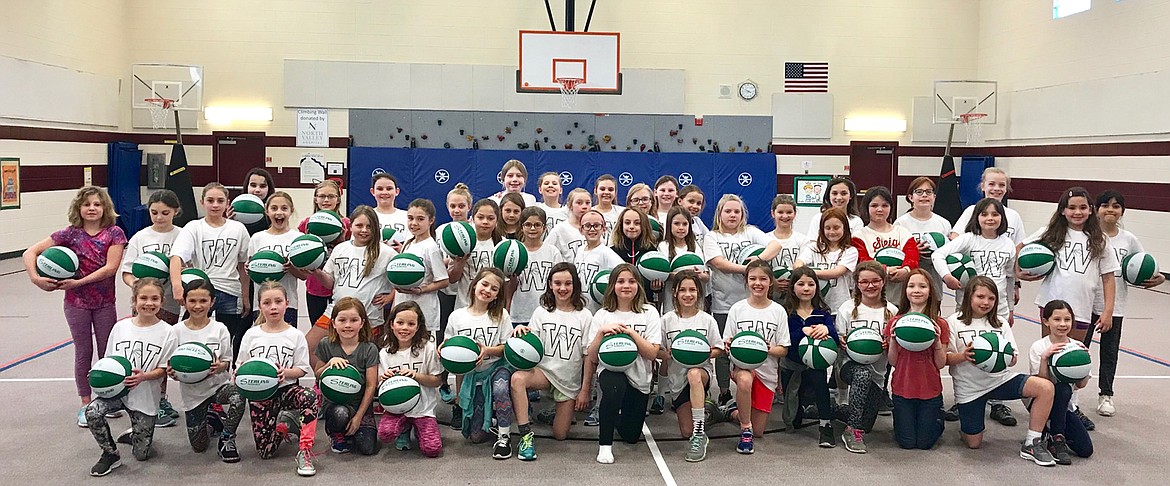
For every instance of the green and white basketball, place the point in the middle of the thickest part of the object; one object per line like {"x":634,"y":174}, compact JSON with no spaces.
{"x":690,"y":348}
{"x":458,"y":354}
{"x":191,"y":362}
{"x":934,"y":240}
{"x":524,"y":352}
{"x":1071,"y":364}
{"x":388,"y":233}
{"x":863,"y":345}
{"x":961,"y":267}
{"x":1036,"y":259}
{"x":617,"y":352}
{"x":307,"y":252}
{"x":1138,"y":267}
{"x":817,"y":354}
{"x":107,"y":377}
{"x":57,"y":262}
{"x":510,"y":256}
{"x":248,"y":209}
{"x":890,"y":257}
{"x":914,"y":332}
{"x":406,"y":270}
{"x":654,"y":265}
{"x":781,"y":273}
{"x":266,"y":265}
{"x":992,"y":352}
{"x":824,"y":285}
{"x":599,"y":285}
{"x":749,"y":251}
{"x":192,"y":274}
{"x":687,"y":261}
{"x":325,"y":225}
{"x":748,"y":350}
{"x":399,"y":394}
{"x":456,"y":238}
{"x":342,"y":385}
{"x":152,"y":264}
{"x":256,"y":379}
{"x":655,"y":227}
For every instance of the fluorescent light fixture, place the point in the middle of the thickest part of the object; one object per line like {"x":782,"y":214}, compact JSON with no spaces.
{"x":225,"y":114}
{"x":874,"y":124}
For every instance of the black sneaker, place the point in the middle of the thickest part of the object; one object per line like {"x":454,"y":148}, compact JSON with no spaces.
{"x":724,"y":398}
{"x":657,"y":405}
{"x":456,"y":417}
{"x":886,"y":406}
{"x":951,"y":414}
{"x":503,"y":447}
{"x":215,"y":422}
{"x":126,"y":437}
{"x":107,"y":463}
{"x":1089,"y":425}
{"x":1002,"y":414}
{"x":828,"y":439}
{"x":227,"y":450}
{"x":1059,"y":449}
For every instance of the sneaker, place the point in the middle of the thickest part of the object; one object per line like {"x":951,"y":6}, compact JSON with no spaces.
{"x":1037,"y":451}
{"x":115,"y":414}
{"x":1002,"y":414}
{"x":402,"y":442}
{"x":1059,"y":449}
{"x":1089,"y":425}
{"x":215,"y":421}
{"x":1105,"y":406}
{"x":713,"y":412}
{"x":546,"y":416}
{"x":591,"y":419}
{"x":526,"y":450}
{"x":533,"y":396}
{"x":227,"y":450}
{"x":697,"y":451}
{"x":163,"y":419}
{"x":81,"y":420}
{"x":126,"y":437}
{"x":503,"y":447}
{"x":165,"y":406}
{"x":339,"y":445}
{"x":951,"y":414}
{"x":108,"y":462}
{"x":828,"y":441}
{"x":288,"y":425}
{"x":854,"y":440}
{"x":886,"y":406}
{"x":456,"y":417}
{"x":745,"y":442}
{"x":305,"y":463}
{"x":446,"y":395}
{"x":724,"y":398}
{"x":658,"y":406}
{"x":726,"y":410}
{"x":378,"y":410}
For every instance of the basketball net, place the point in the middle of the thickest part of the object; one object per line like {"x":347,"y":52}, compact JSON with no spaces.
{"x":974,"y":130}
{"x":160,"y":110}
{"x":569,"y":87}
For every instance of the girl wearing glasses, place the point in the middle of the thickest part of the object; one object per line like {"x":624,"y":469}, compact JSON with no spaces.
{"x":594,"y":256}
{"x":326,"y":196}
{"x":533,"y":280}
{"x":921,"y":221}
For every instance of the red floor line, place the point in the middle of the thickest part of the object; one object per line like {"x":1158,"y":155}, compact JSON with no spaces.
{"x":35,"y":354}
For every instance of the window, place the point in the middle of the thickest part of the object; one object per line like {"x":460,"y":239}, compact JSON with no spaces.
{"x":1064,"y":8}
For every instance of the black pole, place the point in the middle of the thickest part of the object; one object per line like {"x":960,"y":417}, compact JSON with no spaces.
{"x":551,"y":23}
{"x":570,"y":15}
{"x":589,"y":19}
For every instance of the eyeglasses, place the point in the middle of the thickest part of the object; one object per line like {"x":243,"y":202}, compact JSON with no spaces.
{"x":924,"y":192}
{"x":868,"y":283}
{"x":532,"y":225}
{"x":327,"y":196}
{"x":640,"y":200}
{"x":592,"y":226}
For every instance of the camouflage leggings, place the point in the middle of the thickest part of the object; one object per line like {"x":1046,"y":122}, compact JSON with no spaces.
{"x":199,"y":429}
{"x":141,"y":423}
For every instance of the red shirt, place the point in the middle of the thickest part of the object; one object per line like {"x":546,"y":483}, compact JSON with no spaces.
{"x":915,"y":375}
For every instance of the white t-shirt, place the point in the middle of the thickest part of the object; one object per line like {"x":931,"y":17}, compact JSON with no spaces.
{"x":814,"y":226}
{"x":995,"y":259}
{"x":1015,"y":224}
{"x":346,"y":264}
{"x":770,"y":322}
{"x":533,"y":280}
{"x":563,"y":335}
{"x":971,"y":382}
{"x":148,"y":348}
{"x":667,"y":297}
{"x":873,"y":318}
{"x":567,"y":238}
{"x":147,"y":239}
{"x":919,"y":228}
{"x":589,"y":262}
{"x":1124,"y":244}
{"x":216,"y":336}
{"x":611,"y":220}
{"x":425,"y":362}
{"x":789,"y":249}
{"x":216,"y":251}
{"x":287,"y":348}
{"x":553,"y":216}
{"x":840,"y":287}
{"x":729,"y":288}
{"x":1076,"y":275}
{"x":672,"y":324}
{"x":480,"y":329}
{"x":647,"y":324}
{"x":264,"y":240}
{"x":480,"y":256}
{"x":396,"y":220}
{"x":429,"y":251}
{"x":529,"y":199}
{"x":699,"y":228}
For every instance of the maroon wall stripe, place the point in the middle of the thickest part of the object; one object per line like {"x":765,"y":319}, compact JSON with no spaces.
{"x":39,"y":134}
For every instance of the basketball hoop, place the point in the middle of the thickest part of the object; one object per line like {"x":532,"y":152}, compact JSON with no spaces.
{"x":973,"y":128}
{"x":160,"y":109}
{"x":569,"y":87}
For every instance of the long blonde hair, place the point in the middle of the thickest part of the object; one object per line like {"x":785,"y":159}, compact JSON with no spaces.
{"x":610,"y":302}
{"x":374,"y":247}
{"x":109,"y":216}
{"x":718,"y":226}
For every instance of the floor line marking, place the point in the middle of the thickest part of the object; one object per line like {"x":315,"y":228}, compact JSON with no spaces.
{"x":34,"y":355}
{"x":658,"y":459}
{"x":32,"y":380}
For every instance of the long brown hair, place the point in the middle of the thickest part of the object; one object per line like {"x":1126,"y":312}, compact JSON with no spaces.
{"x":791,"y":301}
{"x":109,"y":216}
{"x":645,"y":240}
{"x":668,"y":231}
{"x":347,"y":303}
{"x":967,"y":310}
{"x":495,"y":308}
{"x":497,"y":233}
{"x":694,"y":277}
{"x":387,"y":340}
{"x":610,"y":302}
{"x":1057,"y":229}
{"x":548,"y":299}
{"x":933,"y":304}
{"x":654,"y":197}
{"x":822,"y":246}
{"x":880,"y":270}
{"x":374,"y":247}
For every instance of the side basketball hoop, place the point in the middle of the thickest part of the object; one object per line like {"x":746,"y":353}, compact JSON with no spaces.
{"x":973,"y":128}
{"x":160,"y":110}
{"x":569,"y":87}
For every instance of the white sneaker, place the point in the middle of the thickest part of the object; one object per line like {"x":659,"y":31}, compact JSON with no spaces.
{"x":1105,"y":406}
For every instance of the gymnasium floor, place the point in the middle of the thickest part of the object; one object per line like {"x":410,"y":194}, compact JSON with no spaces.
{"x":42,"y":444}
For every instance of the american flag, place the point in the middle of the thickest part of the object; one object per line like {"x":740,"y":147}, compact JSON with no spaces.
{"x":806,"y":77}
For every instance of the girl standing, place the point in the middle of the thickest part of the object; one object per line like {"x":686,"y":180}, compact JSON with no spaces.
{"x":533,"y":280}
{"x":624,"y":395}
{"x":274,"y":339}
{"x":89,"y":298}
{"x":511,"y":204}
{"x":420,"y":217}
{"x":257,"y":182}
{"x":680,"y":237}
{"x":327,"y":197}
{"x":385,"y":189}
{"x":810,"y":318}
{"x":689,"y":385}
{"x":407,"y":348}
{"x":485,"y":217}
{"x":840,"y":195}
{"x":594,"y":256}
{"x":878,"y":233}
{"x":665,"y":197}
{"x":349,"y":344}
{"x":1067,"y":436}
{"x":514,"y":177}
{"x":831,"y":257}
{"x":279,"y":210}
{"x":568,"y":235}
{"x":550,"y":192}
{"x":992,"y":252}
{"x":866,"y":382}
{"x":916,"y":383}
{"x":791,"y":242}
{"x":640,"y":197}
{"x":458,"y":204}
{"x":996,"y":184}
{"x":921,"y":221}
{"x":605,"y":192}
{"x":163,"y":206}
{"x":691,"y":198}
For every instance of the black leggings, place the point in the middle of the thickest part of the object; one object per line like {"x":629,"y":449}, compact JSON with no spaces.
{"x":814,"y":382}
{"x":1110,"y":346}
{"x":317,"y":306}
{"x":622,"y":408}
{"x":446,"y":307}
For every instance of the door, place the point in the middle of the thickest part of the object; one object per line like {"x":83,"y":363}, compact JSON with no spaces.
{"x":235,"y":153}
{"x":873,"y":164}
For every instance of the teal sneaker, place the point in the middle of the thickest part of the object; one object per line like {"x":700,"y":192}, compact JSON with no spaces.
{"x":527,"y":450}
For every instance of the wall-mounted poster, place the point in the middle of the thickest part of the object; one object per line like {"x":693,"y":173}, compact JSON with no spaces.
{"x":810,"y":190}
{"x":10,"y":183}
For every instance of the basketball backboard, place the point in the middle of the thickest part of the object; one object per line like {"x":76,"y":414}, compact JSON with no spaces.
{"x":178,"y":82}
{"x":952,"y":99}
{"x":592,"y":57}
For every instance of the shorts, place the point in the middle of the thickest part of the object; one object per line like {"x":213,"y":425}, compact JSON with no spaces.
{"x":971,"y":413}
{"x":762,"y":396}
{"x":558,"y":395}
{"x":324,"y":322}
{"x":683,"y":397}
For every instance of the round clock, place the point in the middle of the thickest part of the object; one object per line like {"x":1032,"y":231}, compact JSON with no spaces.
{"x":748,"y":90}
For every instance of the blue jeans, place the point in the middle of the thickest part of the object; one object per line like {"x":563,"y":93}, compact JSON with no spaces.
{"x":918,"y":423}
{"x":1062,"y":421}
{"x":971,"y":413}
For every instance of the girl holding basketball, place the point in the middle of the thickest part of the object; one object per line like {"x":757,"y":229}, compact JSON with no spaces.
{"x":992,"y":252}
{"x":163,"y":206}
{"x":689,"y":385}
{"x":420,"y":221}
{"x":865,"y":382}
{"x":514,"y":176}
{"x":1066,"y":433}
{"x":485,"y":217}
{"x":458,"y":205}
{"x":809,"y":318}
{"x":349,"y":344}
{"x":407,"y":348}
{"x":879,"y":234}
{"x":756,"y":388}
{"x":549,"y":185}
{"x":915,"y":382}
{"x":568,"y":235}
{"x":89,"y":298}
{"x":560,"y":318}
{"x":922,"y":221}
{"x":679,"y":237}
{"x":791,"y":242}
{"x":973,"y":387}
{"x":326,"y":197}
{"x":624,"y":394}
{"x":594,"y":257}
{"x":542,"y":258}
{"x":257,"y":182}
{"x":279,"y":342}
{"x":385,"y":189}
{"x":839,"y":195}
{"x":831,"y":257}
{"x":277,"y":237}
